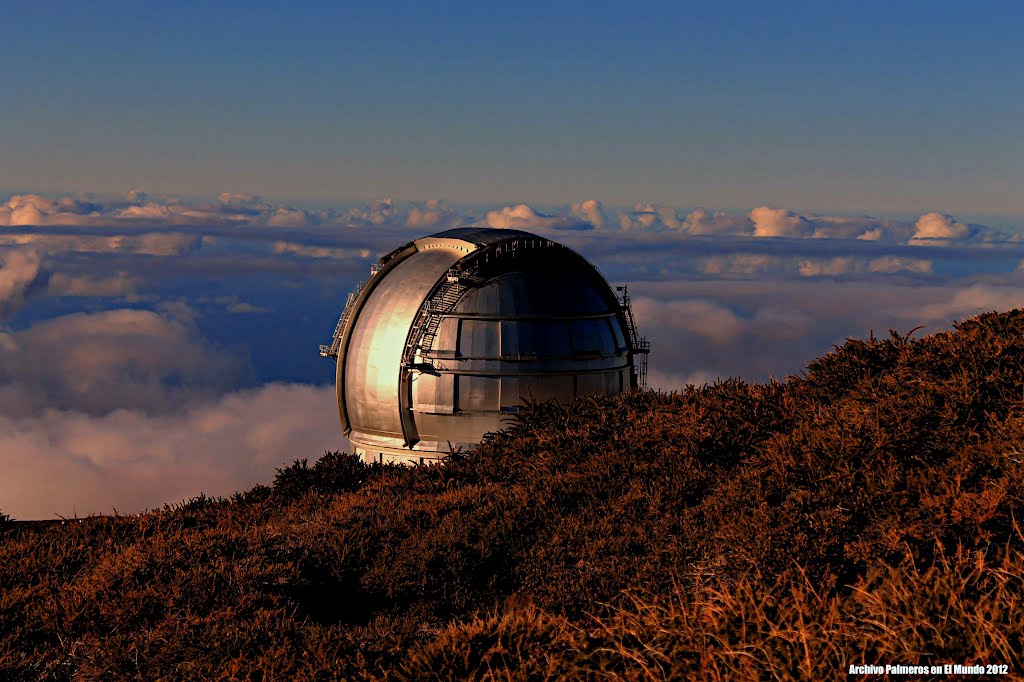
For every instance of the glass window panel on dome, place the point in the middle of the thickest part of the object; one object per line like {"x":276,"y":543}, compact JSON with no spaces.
{"x":591,"y":337}
{"x":620,"y":339}
{"x":520,"y":339}
{"x":544,"y":339}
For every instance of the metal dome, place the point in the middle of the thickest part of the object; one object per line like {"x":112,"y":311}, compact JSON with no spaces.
{"x":452,"y":331}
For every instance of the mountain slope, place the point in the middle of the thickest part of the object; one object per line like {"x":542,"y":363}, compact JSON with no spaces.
{"x":863,"y":512}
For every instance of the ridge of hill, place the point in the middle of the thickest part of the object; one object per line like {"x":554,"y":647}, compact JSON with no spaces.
{"x":864,"y":512}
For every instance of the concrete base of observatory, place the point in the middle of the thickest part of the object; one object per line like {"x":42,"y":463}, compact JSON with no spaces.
{"x":413,"y":457}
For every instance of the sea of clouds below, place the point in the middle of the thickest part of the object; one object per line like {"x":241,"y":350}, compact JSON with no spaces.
{"x":152,"y":349}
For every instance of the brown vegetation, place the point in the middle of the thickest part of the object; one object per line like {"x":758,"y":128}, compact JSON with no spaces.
{"x":865,"y":512}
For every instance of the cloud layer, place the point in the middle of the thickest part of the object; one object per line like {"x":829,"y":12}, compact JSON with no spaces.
{"x":130,"y":409}
{"x":67,"y":463}
{"x":235,"y":209}
{"x":140,"y":209}
{"x":152,"y":349}
{"x":96,"y":363}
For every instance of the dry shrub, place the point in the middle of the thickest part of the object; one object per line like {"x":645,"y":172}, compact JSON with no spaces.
{"x":963,"y":609}
{"x":523,"y":643}
{"x":881,"y":472}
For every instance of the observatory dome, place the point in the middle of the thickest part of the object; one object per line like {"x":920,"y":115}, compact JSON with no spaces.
{"x":452,"y":331}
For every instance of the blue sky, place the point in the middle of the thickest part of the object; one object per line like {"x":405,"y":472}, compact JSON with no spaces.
{"x":880,"y":106}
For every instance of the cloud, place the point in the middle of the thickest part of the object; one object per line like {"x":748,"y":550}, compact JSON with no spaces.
{"x":19,"y":271}
{"x":243,"y":201}
{"x":891,"y":264}
{"x":939,"y":228}
{"x":138,"y":208}
{"x":746,"y":264}
{"x":763,"y":221}
{"x":973,"y":300}
{"x":290,"y":217}
{"x":379,"y":212}
{"x":695,"y":340}
{"x":32,"y":209}
{"x":137,"y":407}
{"x":649,"y":217}
{"x":707,"y":319}
{"x":99,"y":362}
{"x":241,"y":308}
{"x":851,"y":265}
{"x":67,"y":463}
{"x":433,"y":215}
{"x":762,"y":327}
{"x":523,"y":217}
{"x":827,"y":267}
{"x":589,"y":211}
{"x":236,"y":306}
{"x":780,"y":222}
{"x":741,"y":263}
{"x":145,"y":243}
{"x":703,"y":222}
{"x":121,"y":284}
{"x":863,"y":228}
{"x":309,"y":251}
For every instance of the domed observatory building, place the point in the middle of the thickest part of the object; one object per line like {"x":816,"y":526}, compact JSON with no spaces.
{"x":452,"y":331}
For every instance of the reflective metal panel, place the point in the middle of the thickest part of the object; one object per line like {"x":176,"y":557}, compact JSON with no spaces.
{"x":378,"y":338}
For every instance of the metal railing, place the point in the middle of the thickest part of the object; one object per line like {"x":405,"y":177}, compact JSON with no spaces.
{"x":331,"y":351}
{"x":639,"y":345}
{"x":432,"y":312}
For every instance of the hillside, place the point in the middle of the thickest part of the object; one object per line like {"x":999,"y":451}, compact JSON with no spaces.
{"x":864,"y":512}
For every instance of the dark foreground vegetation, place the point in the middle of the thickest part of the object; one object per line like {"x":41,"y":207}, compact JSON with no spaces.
{"x":865,"y":512}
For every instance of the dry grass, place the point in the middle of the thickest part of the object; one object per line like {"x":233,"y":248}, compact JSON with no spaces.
{"x":862,"y":512}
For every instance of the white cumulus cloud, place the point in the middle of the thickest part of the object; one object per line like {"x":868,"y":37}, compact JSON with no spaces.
{"x":780,"y":222}
{"x":939,"y":227}
{"x":589,"y":211}
{"x":650,"y":217}
{"x":523,"y":217}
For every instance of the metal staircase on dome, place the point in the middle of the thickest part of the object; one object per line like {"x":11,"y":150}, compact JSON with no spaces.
{"x":331,"y":351}
{"x":439,"y":304}
{"x":443,"y":300}
{"x":638,"y":344}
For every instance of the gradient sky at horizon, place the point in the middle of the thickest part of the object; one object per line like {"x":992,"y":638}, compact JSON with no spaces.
{"x":907,"y":106}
